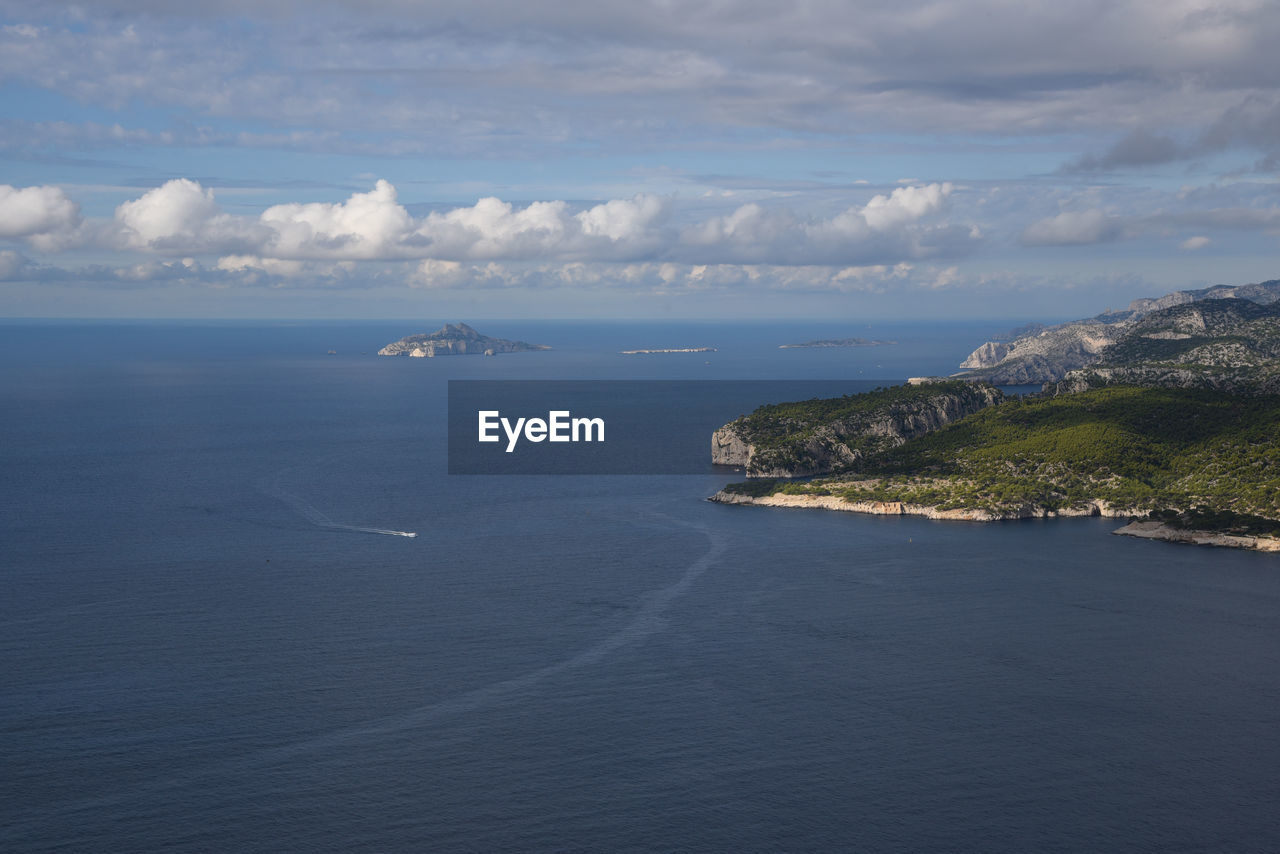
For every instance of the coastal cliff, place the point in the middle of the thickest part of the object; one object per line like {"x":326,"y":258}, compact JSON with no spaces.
{"x":824,"y":436}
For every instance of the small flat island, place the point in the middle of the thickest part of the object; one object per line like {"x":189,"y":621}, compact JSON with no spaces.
{"x":837,"y":342}
{"x":454,"y":340}
{"x":678,"y":350}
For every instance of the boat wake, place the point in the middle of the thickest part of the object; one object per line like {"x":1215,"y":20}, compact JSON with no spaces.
{"x":307,"y":511}
{"x":649,"y":619}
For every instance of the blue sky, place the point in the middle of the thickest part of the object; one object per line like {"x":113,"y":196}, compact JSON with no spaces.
{"x":641,"y":159}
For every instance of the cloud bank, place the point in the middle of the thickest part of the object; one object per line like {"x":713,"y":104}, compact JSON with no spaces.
{"x":908,"y":235}
{"x":181,"y":218}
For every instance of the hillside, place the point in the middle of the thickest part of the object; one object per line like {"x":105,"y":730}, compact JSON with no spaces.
{"x":1231,"y":345}
{"x":1120,"y":451}
{"x":825,"y":435}
{"x":1048,"y":354}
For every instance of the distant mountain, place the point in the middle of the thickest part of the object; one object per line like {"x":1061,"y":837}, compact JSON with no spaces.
{"x":1225,"y":344}
{"x":1048,"y":354}
{"x":454,"y":340}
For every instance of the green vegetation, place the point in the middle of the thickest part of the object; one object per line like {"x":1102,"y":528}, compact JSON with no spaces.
{"x":1225,"y":344}
{"x":776,"y":419}
{"x":755,"y":488}
{"x":822,"y":432}
{"x":1140,"y":449}
{"x":1225,"y":521}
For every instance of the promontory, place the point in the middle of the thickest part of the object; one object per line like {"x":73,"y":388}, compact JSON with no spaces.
{"x":1165,"y":416}
{"x":1200,"y":465}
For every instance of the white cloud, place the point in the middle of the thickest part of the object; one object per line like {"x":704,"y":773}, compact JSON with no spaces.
{"x":367,"y":226}
{"x":181,"y":216}
{"x":1191,"y":244}
{"x":178,"y":208}
{"x":750,"y":233}
{"x":887,"y":229}
{"x":905,"y":204}
{"x":622,"y":220}
{"x":492,"y":228}
{"x":496,"y":229}
{"x":42,"y":215}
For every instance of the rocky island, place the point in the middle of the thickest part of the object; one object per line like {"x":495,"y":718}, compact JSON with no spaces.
{"x":837,"y":342}
{"x":1171,"y":425}
{"x":454,"y":340}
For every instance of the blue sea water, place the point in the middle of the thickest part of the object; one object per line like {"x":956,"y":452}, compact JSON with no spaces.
{"x":193,"y":660}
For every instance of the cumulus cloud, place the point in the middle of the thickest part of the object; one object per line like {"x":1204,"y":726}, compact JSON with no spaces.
{"x":374,"y":226}
{"x":366,"y":226}
{"x":1191,"y":244}
{"x":492,"y":228}
{"x":44,"y":215}
{"x":622,"y":220}
{"x":182,"y":217}
{"x":903,"y":205}
{"x":886,"y":229}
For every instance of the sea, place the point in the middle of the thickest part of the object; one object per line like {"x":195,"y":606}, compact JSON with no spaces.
{"x":212,"y":638}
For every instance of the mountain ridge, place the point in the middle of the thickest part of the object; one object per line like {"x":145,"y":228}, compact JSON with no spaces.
{"x":1048,"y":354}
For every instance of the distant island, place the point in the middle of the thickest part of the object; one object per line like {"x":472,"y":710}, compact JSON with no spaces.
{"x":454,"y":340}
{"x":679,"y":350}
{"x":837,"y":342}
{"x":1170,"y":426}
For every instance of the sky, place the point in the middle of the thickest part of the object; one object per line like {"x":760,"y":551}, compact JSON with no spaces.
{"x":699,"y":160}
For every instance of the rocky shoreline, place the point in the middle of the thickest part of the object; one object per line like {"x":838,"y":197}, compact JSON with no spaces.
{"x":1159,"y":531}
{"x":1097,"y":508}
